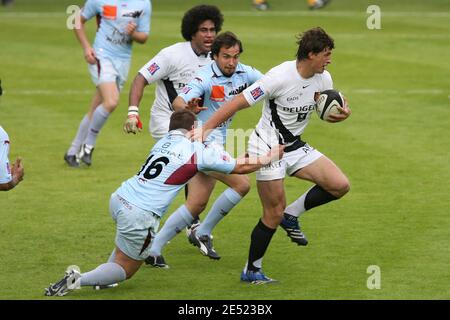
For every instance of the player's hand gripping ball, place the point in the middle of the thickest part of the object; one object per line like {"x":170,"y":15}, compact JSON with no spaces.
{"x":329,"y":102}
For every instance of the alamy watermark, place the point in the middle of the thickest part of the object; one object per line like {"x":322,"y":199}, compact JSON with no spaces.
{"x":374,"y":20}
{"x":374,"y":280}
{"x":74,"y":19}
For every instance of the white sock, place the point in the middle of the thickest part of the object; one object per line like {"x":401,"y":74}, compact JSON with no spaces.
{"x":297,"y":207}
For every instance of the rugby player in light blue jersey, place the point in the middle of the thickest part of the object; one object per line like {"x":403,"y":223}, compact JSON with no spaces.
{"x":120,"y":22}
{"x":214,"y":84}
{"x":9,"y":176}
{"x":138,"y":205}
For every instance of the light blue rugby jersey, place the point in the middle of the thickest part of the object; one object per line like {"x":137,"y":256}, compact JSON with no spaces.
{"x":111,"y":40}
{"x":171,"y":163}
{"x":215,"y":89}
{"x":5,"y":170}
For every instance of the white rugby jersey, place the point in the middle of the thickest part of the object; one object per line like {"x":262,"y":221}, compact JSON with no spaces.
{"x":172,"y":69}
{"x":5,"y":170}
{"x":288,"y":101}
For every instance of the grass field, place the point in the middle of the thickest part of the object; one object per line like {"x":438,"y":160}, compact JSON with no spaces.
{"x":394,"y":149}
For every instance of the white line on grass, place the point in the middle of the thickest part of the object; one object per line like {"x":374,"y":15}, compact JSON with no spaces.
{"x":47,"y":92}
{"x":306,"y":13}
{"x":392,"y":91}
{"x":367,"y":91}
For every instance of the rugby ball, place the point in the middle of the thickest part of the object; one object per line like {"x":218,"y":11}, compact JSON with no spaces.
{"x":328,"y":102}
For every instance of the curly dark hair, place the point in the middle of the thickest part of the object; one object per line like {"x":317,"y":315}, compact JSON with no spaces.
{"x":196,"y":16}
{"x":225,"y":40}
{"x":313,"y":40}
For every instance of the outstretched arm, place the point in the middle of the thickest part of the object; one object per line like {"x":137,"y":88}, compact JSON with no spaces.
{"x":250,"y":164}
{"x":223,"y":114}
{"x":193,"y":105}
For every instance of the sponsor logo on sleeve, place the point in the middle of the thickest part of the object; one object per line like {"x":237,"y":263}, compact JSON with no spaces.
{"x":218,"y":94}
{"x":153,"y":68}
{"x":110,"y":12}
{"x":257,"y":93}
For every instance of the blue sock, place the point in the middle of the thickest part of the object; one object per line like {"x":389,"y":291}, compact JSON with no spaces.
{"x":80,"y":137}
{"x":226,"y":201}
{"x":112,"y":257}
{"x":98,"y":120}
{"x":104,"y":274}
{"x":177,"y":221}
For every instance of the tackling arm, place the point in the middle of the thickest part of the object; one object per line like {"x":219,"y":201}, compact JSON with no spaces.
{"x":251,"y":164}
{"x":193,"y":105}
{"x":223,"y":114}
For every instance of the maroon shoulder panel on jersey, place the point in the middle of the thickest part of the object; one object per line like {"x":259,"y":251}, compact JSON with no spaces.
{"x":184,"y":173}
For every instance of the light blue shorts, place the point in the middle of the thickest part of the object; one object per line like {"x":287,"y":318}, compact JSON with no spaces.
{"x":107,"y":70}
{"x":135,"y":228}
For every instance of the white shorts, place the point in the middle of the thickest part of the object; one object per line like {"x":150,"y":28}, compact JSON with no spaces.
{"x":290,"y":163}
{"x":135,"y":228}
{"x":159,"y":124}
{"x":107,"y":70}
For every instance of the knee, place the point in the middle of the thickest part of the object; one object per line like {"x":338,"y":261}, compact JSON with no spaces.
{"x":242,"y":186}
{"x":196,"y":207}
{"x":274,"y":214}
{"x":341,"y":187}
{"x":111,"y":103}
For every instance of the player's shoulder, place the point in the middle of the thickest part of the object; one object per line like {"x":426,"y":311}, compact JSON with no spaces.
{"x":241,"y":67}
{"x":207,"y":71}
{"x":282,"y":74}
{"x":283,"y":69}
{"x":141,"y":2}
{"x":175,"y":52}
{"x":324,"y":76}
{"x":176,"y":48}
{"x":324,"y":79}
{"x":3,"y":134}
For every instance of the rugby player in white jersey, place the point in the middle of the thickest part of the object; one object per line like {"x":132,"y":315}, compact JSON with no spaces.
{"x":120,"y":23}
{"x":172,"y":69}
{"x":138,"y":205}
{"x":288,"y":91}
